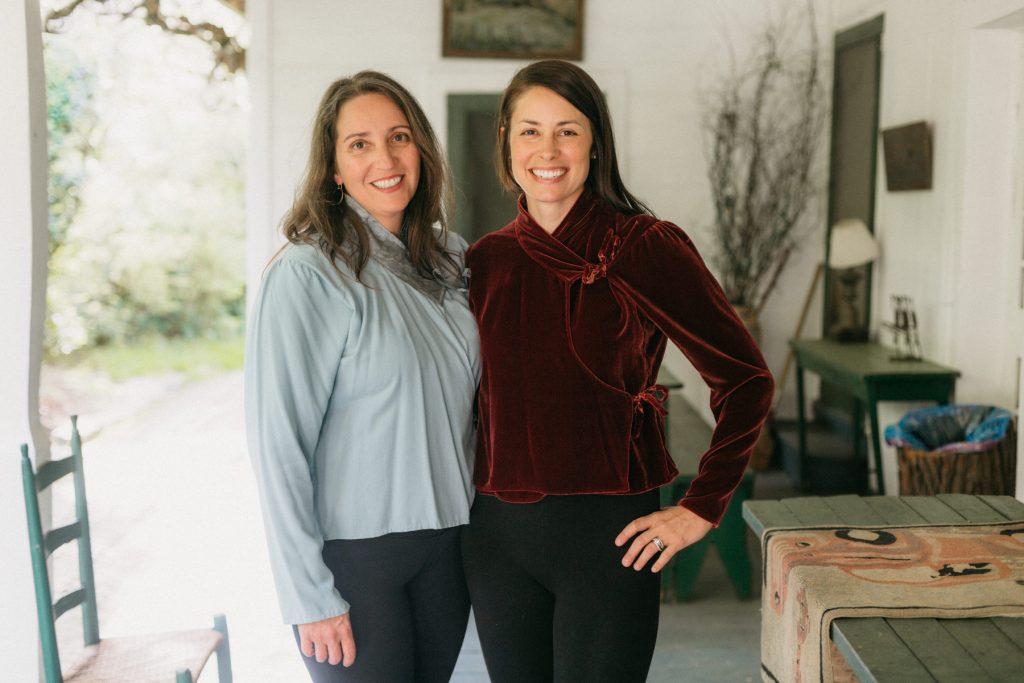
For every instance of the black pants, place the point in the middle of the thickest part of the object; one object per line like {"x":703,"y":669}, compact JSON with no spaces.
{"x":551,"y":598}
{"x":409,"y":606}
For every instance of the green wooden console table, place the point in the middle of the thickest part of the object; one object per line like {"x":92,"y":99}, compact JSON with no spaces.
{"x":866,"y":371}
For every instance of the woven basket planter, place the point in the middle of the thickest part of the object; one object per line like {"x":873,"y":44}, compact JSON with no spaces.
{"x":985,"y":472}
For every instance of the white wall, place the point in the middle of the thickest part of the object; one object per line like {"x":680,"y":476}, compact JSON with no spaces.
{"x":955,"y":248}
{"x":956,"y":65}
{"x":22,"y":293}
{"x":652,"y":63}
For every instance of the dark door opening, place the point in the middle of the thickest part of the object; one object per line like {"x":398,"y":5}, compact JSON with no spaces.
{"x":481,"y":205}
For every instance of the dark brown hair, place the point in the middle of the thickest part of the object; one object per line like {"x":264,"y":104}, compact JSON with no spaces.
{"x":318,"y":215}
{"x":575,"y":85}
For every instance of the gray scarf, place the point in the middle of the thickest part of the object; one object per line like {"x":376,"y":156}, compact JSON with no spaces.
{"x":390,"y":251}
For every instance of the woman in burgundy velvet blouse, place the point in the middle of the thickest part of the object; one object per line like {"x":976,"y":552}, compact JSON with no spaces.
{"x":575,"y":300}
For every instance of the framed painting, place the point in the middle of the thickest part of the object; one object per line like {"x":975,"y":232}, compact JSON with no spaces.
{"x":513,"y":29}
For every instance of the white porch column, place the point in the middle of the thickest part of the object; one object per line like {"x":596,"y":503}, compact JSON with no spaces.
{"x":260,"y":223}
{"x":23,"y":219}
{"x":990,"y":337}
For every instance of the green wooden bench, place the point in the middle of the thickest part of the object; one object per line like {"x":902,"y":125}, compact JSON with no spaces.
{"x":688,"y":436}
{"x":880,"y":649}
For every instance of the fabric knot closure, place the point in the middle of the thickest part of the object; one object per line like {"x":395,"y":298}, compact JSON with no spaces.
{"x":594,"y":271}
{"x":654,"y":396}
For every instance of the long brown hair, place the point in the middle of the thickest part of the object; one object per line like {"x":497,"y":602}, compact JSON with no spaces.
{"x":575,"y":85}
{"x":318,"y":215}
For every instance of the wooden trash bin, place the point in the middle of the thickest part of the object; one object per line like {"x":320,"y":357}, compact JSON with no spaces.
{"x":970,"y":462}
{"x":986,"y":472}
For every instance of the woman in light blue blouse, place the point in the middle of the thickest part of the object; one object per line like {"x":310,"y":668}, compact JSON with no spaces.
{"x":361,"y":367}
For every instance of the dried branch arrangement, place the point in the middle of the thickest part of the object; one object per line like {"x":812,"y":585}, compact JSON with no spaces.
{"x":228,"y":53}
{"x":763,"y":129}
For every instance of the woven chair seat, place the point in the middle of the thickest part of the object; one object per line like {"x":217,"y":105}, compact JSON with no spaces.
{"x":153,"y":657}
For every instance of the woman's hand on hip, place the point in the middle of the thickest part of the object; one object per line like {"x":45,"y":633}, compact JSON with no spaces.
{"x":676,"y":527}
{"x":329,"y":640}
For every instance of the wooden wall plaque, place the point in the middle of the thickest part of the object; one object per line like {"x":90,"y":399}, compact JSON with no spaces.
{"x":908,"y":157}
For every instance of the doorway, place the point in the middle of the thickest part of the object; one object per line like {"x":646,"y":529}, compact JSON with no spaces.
{"x":482,"y":205}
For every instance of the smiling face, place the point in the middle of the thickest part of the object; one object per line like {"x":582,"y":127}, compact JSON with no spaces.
{"x":550,"y":143}
{"x":375,"y":158}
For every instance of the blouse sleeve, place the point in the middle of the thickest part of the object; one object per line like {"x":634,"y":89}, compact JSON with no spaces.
{"x":297,"y":331}
{"x":672,"y":286}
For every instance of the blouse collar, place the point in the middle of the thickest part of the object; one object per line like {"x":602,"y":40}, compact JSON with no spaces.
{"x":571,"y":223}
{"x":390,"y":251}
{"x":552,"y":250}
{"x":378,"y":230}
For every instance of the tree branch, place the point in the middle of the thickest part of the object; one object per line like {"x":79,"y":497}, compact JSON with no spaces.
{"x":60,"y":13}
{"x":228,"y":53}
{"x":764,"y":131}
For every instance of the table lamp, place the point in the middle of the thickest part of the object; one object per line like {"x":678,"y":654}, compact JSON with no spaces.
{"x":851,"y":245}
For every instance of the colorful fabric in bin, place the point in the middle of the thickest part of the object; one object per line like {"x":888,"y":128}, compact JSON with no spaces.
{"x":957,"y":428}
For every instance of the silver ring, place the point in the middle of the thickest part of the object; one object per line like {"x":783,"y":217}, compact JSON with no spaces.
{"x":658,"y":543}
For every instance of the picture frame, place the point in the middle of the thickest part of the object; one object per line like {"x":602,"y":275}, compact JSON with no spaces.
{"x":513,"y":29}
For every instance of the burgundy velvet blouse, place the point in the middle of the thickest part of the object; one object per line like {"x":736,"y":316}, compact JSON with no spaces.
{"x":573,"y":327}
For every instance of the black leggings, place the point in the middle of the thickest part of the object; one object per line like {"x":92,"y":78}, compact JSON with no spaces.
{"x":409,"y":606}
{"x":551,"y":598}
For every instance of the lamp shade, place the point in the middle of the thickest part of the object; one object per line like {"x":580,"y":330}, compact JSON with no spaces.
{"x":851,"y":244}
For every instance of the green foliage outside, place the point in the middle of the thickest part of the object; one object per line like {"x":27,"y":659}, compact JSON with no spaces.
{"x":71,"y":121}
{"x":146,"y":200}
{"x":195,"y":358}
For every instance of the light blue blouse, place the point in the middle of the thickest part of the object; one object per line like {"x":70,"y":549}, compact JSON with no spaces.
{"x":359,"y":407}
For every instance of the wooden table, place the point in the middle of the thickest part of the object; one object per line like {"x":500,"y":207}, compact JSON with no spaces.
{"x":880,"y":649}
{"x":866,"y":371}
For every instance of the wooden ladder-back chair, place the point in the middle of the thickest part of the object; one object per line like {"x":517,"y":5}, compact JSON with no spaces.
{"x":132,"y":658}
